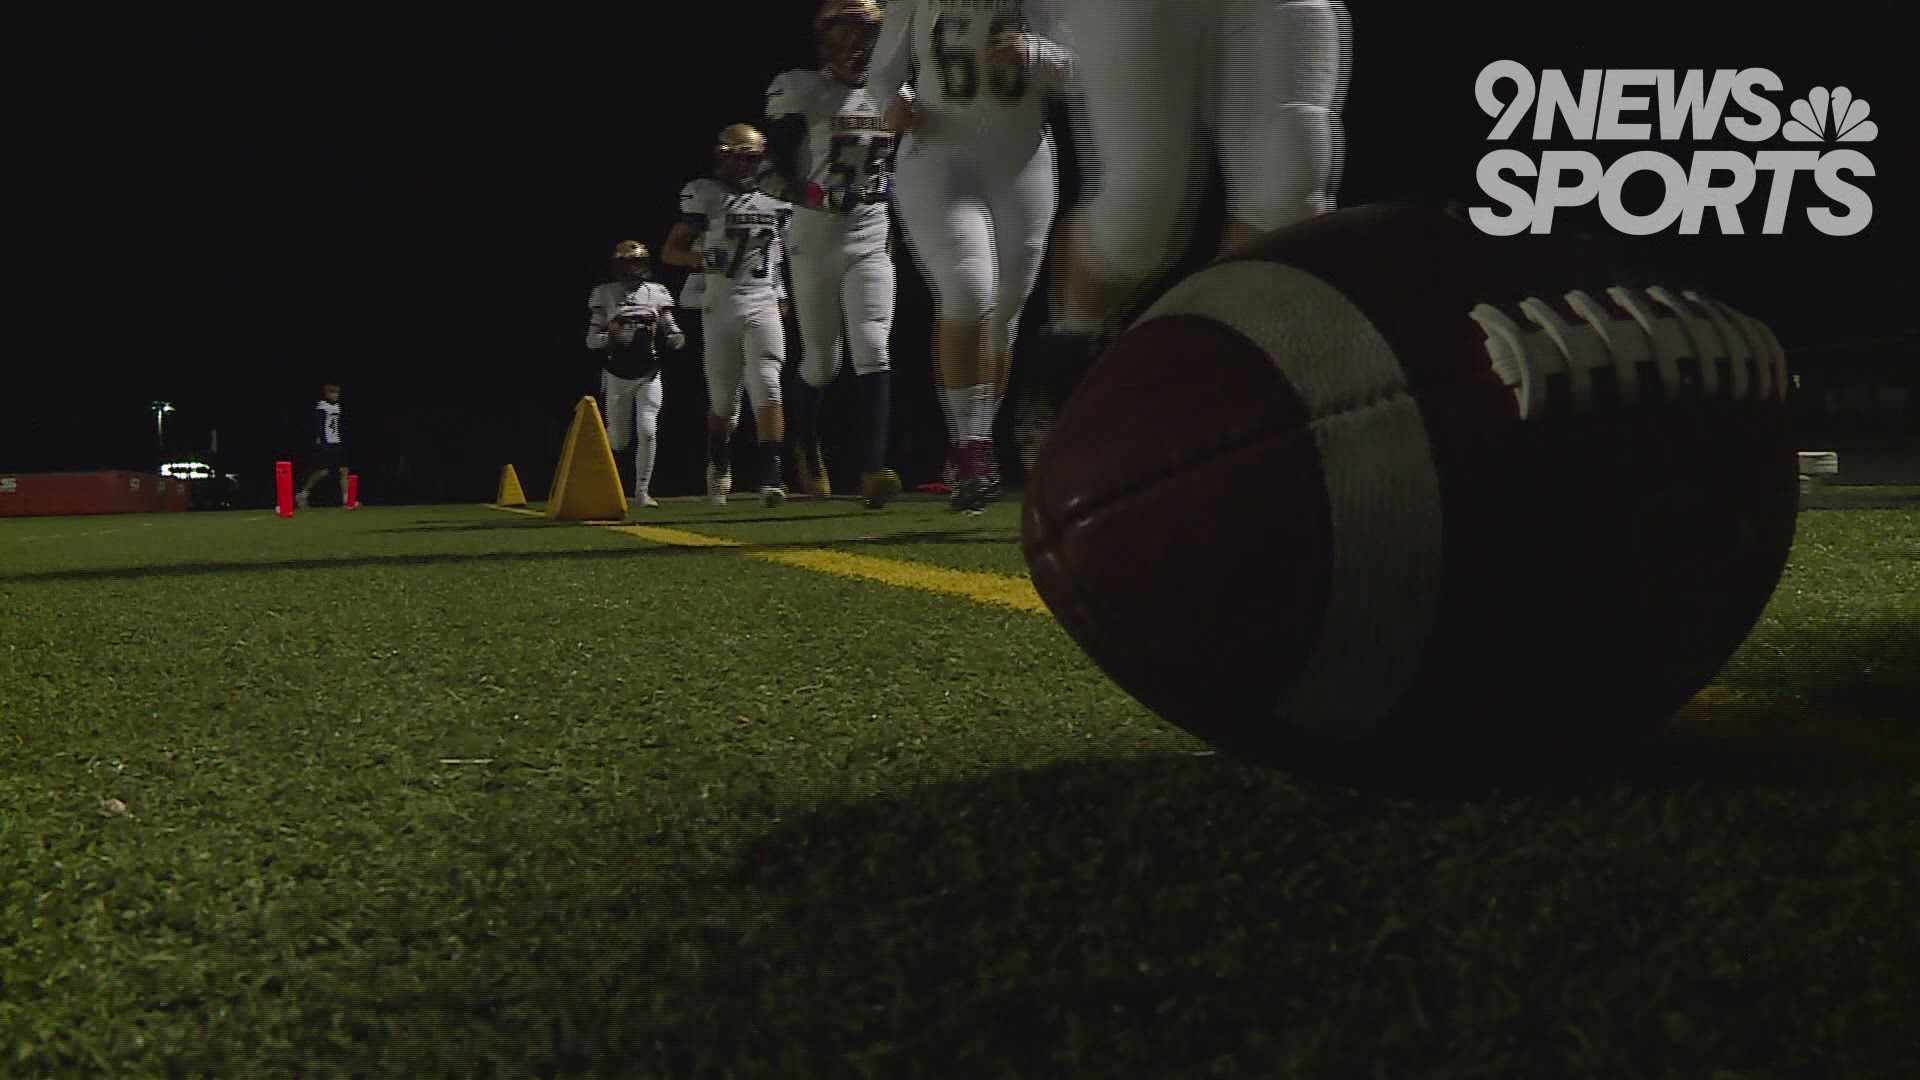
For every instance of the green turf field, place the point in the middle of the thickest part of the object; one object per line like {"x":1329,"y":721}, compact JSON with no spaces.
{"x":453,"y":791}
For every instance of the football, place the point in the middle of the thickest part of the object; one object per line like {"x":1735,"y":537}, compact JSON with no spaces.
{"x":1392,"y":496}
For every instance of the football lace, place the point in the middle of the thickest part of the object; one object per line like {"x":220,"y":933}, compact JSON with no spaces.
{"x":1684,"y":342}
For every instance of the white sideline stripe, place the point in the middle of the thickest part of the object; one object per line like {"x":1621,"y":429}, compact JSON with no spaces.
{"x":1381,"y":485}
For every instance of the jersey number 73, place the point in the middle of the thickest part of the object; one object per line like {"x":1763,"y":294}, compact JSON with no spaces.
{"x":746,"y":251}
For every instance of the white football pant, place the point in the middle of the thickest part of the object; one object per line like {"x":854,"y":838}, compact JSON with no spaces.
{"x":841,"y":269}
{"x":631,"y":408}
{"x":742,"y":345}
{"x":1262,"y":80}
{"x":976,"y":217}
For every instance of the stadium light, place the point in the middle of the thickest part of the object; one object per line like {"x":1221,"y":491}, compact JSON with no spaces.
{"x":187,"y":470}
{"x":160,"y":411}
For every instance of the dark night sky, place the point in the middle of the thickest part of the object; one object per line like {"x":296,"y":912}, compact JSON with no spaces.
{"x":236,"y":205}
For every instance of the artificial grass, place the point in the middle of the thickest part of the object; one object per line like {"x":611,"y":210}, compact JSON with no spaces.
{"x":445,"y":791}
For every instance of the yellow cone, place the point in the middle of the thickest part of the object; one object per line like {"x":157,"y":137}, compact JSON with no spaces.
{"x":510,"y":491}
{"x":586,"y":486}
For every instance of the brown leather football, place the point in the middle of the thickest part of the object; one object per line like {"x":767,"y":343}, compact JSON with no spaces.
{"x":1391,"y":494}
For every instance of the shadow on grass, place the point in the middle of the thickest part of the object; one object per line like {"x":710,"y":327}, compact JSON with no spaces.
{"x":357,"y":562}
{"x":1735,"y":902}
{"x":1176,"y":915}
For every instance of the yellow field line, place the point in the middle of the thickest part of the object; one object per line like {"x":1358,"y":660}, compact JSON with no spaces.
{"x":995,"y":590}
{"x":676,"y":537}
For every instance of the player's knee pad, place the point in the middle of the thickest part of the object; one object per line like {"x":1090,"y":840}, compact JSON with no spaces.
{"x":723,"y":411}
{"x":819,"y":364}
{"x":970,"y":309}
{"x":724,"y":374}
{"x":869,"y":347}
{"x":1294,"y":179}
{"x":963,"y":293}
{"x":1134,"y":234}
{"x":763,"y":383}
{"x":619,"y":427}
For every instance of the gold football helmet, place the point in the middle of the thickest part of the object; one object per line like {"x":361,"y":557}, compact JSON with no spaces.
{"x":847,"y":31}
{"x":738,"y":154}
{"x":632,"y":261}
{"x":741,"y":139}
{"x":833,"y":11}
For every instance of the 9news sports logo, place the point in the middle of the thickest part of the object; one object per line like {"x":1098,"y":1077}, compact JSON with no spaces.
{"x":1628,"y":105}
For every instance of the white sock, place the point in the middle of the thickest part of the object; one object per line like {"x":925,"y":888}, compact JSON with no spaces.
{"x":958,"y":407}
{"x":985,"y":402}
{"x":643,"y":458}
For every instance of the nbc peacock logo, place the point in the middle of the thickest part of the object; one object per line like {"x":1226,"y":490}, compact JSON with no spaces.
{"x":1818,"y":136}
{"x":1824,"y":116}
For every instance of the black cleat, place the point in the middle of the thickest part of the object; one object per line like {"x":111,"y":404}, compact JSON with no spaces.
{"x":1056,"y":363}
{"x":970,"y":497}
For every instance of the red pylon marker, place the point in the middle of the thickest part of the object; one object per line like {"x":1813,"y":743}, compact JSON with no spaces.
{"x":283,"y":482}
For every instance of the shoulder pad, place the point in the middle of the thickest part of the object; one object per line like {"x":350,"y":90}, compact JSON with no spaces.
{"x":784,"y":95}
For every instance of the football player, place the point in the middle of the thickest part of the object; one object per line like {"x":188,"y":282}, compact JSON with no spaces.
{"x":693,"y":302}
{"x":740,"y":231}
{"x":832,"y":158}
{"x":975,"y":187}
{"x":330,"y":454}
{"x":628,"y":319}
{"x":1259,"y":84}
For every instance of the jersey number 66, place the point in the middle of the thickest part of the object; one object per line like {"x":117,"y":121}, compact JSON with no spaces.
{"x":960,"y":69}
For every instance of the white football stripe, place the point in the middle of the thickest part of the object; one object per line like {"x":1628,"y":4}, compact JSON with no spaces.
{"x":1733,"y":341}
{"x":1622,"y":339}
{"x":1381,"y":484}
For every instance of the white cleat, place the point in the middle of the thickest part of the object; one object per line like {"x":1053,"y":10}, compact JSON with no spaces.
{"x":719,"y":485}
{"x":772,"y":496}
{"x":648,"y":500}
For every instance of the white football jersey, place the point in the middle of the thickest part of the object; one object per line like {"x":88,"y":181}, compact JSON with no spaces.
{"x":849,"y":151}
{"x":742,"y":240}
{"x":944,"y":45}
{"x":327,"y":414}
{"x":693,"y":295}
{"x":633,"y":302}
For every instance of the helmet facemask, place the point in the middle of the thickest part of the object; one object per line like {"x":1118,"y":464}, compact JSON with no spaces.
{"x":631,"y":261}
{"x":846,"y":49}
{"x":738,"y":156}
